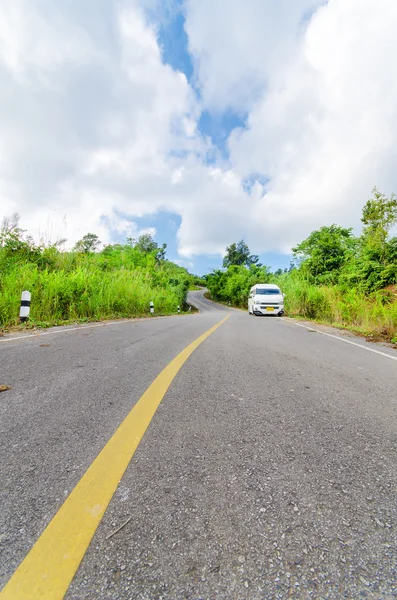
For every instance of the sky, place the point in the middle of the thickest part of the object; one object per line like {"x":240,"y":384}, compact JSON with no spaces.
{"x":202,"y":122}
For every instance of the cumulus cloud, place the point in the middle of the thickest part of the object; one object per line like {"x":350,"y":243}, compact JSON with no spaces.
{"x":95,"y":130}
{"x":89,"y":114}
{"x":239,"y":47}
{"x":323,"y":127}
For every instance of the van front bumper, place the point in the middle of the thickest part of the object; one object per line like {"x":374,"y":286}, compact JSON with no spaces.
{"x":268,"y":310}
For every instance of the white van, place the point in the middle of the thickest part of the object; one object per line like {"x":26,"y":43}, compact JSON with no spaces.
{"x":265,"y":299}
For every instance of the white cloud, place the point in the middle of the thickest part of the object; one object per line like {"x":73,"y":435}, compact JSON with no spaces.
{"x":35,"y":43}
{"x":238,"y":47}
{"x":324,"y":125}
{"x":95,"y":130}
{"x":89,"y":115}
{"x":90,"y":141}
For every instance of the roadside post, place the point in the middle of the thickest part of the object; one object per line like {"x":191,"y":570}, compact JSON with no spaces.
{"x":24,"y":309}
{"x":179,"y":309}
{"x":151,"y":308}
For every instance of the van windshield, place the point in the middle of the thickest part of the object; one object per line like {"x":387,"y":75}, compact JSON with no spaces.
{"x":267,"y":292}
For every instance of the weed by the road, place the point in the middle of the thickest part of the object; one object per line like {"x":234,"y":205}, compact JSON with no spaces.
{"x":90,"y":289}
{"x":374,"y":315}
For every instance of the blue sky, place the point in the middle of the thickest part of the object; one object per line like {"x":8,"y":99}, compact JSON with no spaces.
{"x":167,"y":225}
{"x":217,"y":125}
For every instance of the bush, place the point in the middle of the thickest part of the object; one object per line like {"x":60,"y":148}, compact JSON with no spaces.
{"x":119,"y":281}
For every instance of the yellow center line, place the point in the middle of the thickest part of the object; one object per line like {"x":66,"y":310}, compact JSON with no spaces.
{"x":50,"y":566}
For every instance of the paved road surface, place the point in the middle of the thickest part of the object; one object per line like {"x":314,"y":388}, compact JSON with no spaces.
{"x":268,"y":471}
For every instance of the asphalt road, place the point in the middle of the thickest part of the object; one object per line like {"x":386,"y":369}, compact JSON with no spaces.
{"x":268,"y":471}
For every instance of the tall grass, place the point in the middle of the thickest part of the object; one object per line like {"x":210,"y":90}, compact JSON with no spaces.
{"x":373,"y":315}
{"x":86,"y":292}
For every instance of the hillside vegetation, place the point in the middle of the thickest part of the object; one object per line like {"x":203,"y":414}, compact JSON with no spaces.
{"x":335,"y":277}
{"x":86,"y":284}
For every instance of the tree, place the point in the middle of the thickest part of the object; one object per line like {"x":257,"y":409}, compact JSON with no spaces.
{"x":161,"y":253}
{"x":325,"y":251}
{"x":89,"y":243}
{"x":379,"y":216}
{"x":233,"y":285}
{"x":380,"y":212}
{"x":239,"y":254}
{"x":147,"y":245}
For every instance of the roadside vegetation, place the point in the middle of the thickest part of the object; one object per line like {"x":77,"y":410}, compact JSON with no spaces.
{"x":87,"y":283}
{"x":335,"y":278}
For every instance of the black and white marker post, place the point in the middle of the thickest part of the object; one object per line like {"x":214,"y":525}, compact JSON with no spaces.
{"x":179,"y":309}
{"x":25,"y":306}
{"x":151,"y":308}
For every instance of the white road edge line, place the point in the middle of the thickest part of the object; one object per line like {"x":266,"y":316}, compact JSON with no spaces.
{"x":336,"y":337}
{"x":105,"y":324}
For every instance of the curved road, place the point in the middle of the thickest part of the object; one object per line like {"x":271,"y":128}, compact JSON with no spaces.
{"x":268,"y":470}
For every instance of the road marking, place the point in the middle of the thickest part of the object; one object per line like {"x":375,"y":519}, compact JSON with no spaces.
{"x":39,"y":334}
{"x":204,"y":303}
{"x":81,"y":328}
{"x":336,"y":337}
{"x":50,"y":566}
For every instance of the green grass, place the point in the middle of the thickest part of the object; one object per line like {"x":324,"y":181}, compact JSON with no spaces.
{"x":373,"y":315}
{"x":87,"y":292}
